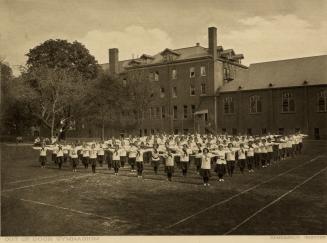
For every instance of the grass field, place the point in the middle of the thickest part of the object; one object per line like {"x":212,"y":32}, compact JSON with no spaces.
{"x":289,"y":197}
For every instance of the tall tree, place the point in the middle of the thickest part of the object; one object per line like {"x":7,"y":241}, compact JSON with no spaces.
{"x":65,"y":55}
{"x":141,"y":93}
{"x":106,"y":97}
{"x":50,"y":93}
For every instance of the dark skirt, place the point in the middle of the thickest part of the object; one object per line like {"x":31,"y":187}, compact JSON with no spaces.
{"x":131,"y":161}
{"x":43,"y":160}
{"x":155,"y":163}
{"x":205,"y":173}
{"x":74,"y":162}
{"x":220,"y":168}
{"x":93,"y":162}
{"x":100,"y":158}
{"x":116,"y":163}
{"x":85,"y":160}
{"x":169,"y":169}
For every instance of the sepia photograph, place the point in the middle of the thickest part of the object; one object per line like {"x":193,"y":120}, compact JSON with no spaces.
{"x":163,"y":118}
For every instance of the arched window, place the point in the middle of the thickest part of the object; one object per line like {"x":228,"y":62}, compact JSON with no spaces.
{"x":322,"y":101}
{"x":255,"y":104}
{"x":288,"y":104}
{"x":228,"y":105}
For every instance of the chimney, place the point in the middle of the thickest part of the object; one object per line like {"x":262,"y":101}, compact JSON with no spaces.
{"x":212,"y":42}
{"x":113,"y":61}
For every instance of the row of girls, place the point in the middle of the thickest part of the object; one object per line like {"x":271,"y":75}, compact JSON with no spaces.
{"x":206,"y":152}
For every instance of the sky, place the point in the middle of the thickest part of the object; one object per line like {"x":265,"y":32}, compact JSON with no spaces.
{"x":263,"y":30}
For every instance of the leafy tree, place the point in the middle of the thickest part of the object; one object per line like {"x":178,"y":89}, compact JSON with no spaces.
{"x":62,"y":54}
{"x":49,"y":93}
{"x":140,"y":94}
{"x":105,"y":99}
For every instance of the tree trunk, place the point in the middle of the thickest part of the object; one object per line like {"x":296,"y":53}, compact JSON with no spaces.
{"x":52,"y":124}
{"x":103,"y":129}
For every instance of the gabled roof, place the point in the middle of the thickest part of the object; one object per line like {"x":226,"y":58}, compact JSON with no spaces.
{"x":169,"y":51}
{"x":237,"y":57}
{"x":180,"y":54}
{"x":227,"y":52}
{"x":135,"y":62}
{"x":145,"y":56}
{"x":281,"y":74}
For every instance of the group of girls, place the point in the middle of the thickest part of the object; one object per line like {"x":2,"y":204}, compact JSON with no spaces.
{"x":220,"y":153}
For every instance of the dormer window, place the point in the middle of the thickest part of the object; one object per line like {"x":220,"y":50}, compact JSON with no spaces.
{"x":135,"y":62}
{"x":146,"y":58}
{"x":169,"y":55}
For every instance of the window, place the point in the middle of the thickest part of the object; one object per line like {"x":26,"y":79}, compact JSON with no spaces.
{"x":193,"y":109}
{"x":255,"y":104}
{"x":203,"y":71}
{"x":288,"y":104}
{"x":192,"y":90}
{"x":156,"y":76}
{"x":124,"y":82}
{"x":145,"y":132}
{"x":322,"y":101}
{"x":185,"y":111}
{"x":162,"y":92}
{"x":203,"y":88}
{"x":185,"y":131}
{"x":206,"y":116}
{"x":249,"y":131}
{"x":174,"y":92}
{"x":175,"y":112}
{"x":223,"y":130}
{"x":175,"y":131}
{"x":152,"y":131}
{"x":174,"y":74}
{"x":228,"y":105}
{"x":192,"y":72}
{"x":281,"y":131}
{"x":163,"y":112}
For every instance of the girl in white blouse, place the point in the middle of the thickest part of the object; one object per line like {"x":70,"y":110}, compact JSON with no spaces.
{"x":155,"y":158}
{"x":206,"y":166}
{"x":169,"y":163}
{"x":221,"y":162}
{"x":43,"y":154}
{"x":230,"y":158}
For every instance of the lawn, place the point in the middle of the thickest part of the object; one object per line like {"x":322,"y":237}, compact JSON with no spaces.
{"x":288,"y":197}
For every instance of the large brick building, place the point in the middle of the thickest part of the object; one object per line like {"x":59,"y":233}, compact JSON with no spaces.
{"x":208,"y":89}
